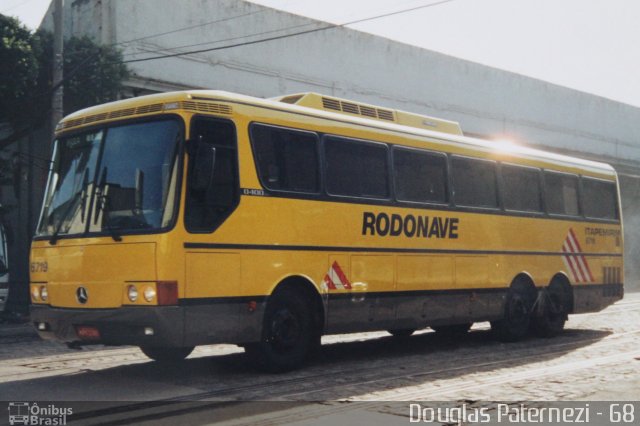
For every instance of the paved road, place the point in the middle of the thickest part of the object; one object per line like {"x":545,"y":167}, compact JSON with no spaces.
{"x":597,"y":358}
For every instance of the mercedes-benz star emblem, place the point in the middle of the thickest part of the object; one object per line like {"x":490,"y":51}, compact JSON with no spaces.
{"x":82,"y":295}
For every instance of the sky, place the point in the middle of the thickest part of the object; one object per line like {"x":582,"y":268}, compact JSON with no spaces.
{"x":588,"y":45}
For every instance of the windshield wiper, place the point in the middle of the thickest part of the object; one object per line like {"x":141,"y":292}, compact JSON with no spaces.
{"x":102,"y":205}
{"x":82,"y":195}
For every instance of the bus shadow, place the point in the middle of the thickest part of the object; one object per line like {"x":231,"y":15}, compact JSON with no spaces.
{"x":339,"y":370}
{"x":370,"y":364}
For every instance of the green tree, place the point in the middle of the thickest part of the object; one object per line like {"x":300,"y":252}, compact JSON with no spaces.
{"x":96,"y":74}
{"x":93,"y":74}
{"x":19,"y":70}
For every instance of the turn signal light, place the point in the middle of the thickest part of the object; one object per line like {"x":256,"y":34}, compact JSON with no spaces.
{"x":167,"y":292}
{"x":35,"y":293}
{"x":149,"y":294}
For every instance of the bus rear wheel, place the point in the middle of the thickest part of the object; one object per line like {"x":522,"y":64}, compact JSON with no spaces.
{"x":288,"y":334}
{"x":517,"y":314}
{"x":166,"y":354}
{"x":552,"y":313}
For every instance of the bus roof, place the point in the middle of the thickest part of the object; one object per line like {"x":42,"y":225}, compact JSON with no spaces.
{"x":324,"y":107}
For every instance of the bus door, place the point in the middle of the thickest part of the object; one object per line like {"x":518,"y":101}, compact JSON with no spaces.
{"x":212,"y":275}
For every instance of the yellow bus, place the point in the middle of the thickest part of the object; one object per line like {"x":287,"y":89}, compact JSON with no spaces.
{"x":200,"y":217}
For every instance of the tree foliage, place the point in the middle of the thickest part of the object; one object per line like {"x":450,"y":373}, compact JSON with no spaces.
{"x":96,"y":74}
{"x":18,"y":67}
{"x":92,"y":74}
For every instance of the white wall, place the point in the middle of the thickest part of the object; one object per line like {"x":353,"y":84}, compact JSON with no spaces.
{"x":360,"y":66}
{"x":487,"y":102}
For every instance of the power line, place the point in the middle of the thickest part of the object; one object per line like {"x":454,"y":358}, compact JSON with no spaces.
{"x":225,"y":39}
{"x":72,"y":73}
{"x":264,"y":40}
{"x":79,"y":67}
{"x":189,"y":28}
{"x":177,"y":30}
{"x":15,"y":6}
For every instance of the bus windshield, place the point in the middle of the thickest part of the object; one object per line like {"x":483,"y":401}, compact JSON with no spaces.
{"x":119,"y":179}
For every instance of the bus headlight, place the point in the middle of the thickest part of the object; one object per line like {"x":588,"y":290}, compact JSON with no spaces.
{"x":132,"y":293}
{"x":35,"y":293}
{"x":149,"y":294}
{"x":44,"y":293}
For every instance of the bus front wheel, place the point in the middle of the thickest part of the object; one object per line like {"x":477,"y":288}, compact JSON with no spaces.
{"x":287,"y":333}
{"x":166,"y":354}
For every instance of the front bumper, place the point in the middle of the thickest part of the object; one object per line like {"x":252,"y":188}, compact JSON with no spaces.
{"x":120,"y":326}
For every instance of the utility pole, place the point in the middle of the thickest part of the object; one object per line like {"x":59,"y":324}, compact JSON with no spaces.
{"x":58,"y":64}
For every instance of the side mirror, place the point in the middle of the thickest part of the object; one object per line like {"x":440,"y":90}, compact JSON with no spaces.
{"x":202,"y":166}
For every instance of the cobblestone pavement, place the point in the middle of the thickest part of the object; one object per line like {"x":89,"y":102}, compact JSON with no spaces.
{"x":597,"y":358}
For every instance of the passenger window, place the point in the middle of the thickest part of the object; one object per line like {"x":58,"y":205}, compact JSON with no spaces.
{"x":522,"y":190}
{"x":212,"y":186}
{"x":474,"y":182}
{"x":355,"y":168}
{"x":420,"y":176}
{"x":287,"y":160}
{"x":561,"y":193}
{"x":600,"y":199}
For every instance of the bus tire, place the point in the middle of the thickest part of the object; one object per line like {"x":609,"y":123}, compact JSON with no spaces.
{"x":288,"y":334}
{"x":401,"y":332}
{"x":552,"y":312}
{"x":454,"y":330}
{"x":517,"y":314}
{"x":166,"y":354}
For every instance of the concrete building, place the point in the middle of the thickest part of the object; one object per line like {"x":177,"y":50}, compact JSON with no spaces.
{"x":488,"y":103}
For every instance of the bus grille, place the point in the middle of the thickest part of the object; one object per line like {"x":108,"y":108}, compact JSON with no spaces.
{"x":354,"y":108}
{"x":612,"y":275}
{"x":144,"y":109}
{"x":206,"y":107}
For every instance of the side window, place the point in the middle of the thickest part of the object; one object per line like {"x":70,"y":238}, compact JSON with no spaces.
{"x":355,"y":168}
{"x":474,"y":182}
{"x":287,"y":160}
{"x":600,"y":200}
{"x":561,"y":193}
{"x":212,"y":185}
{"x":522,"y":190}
{"x":420,"y":176}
